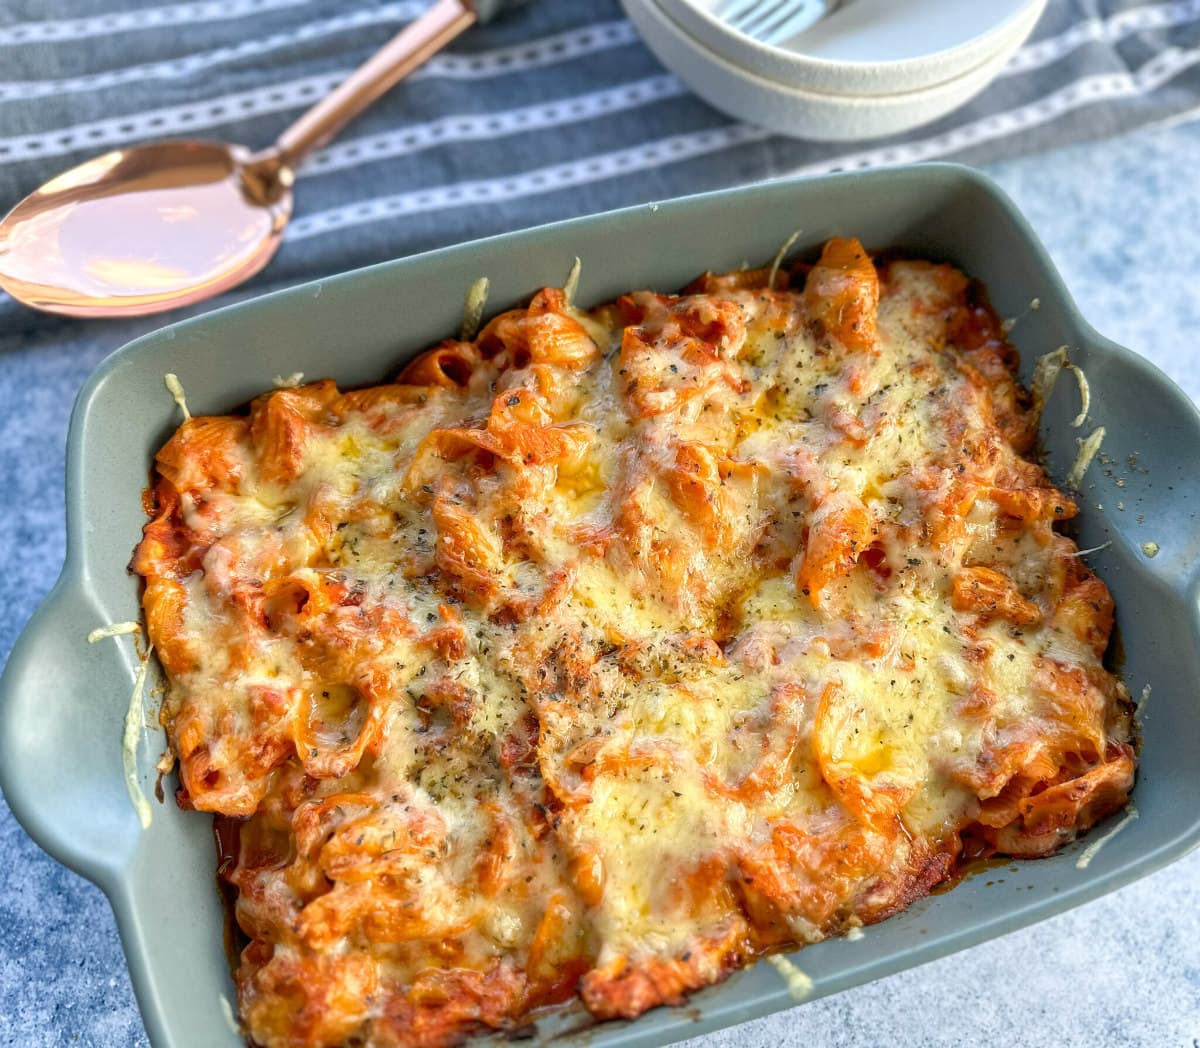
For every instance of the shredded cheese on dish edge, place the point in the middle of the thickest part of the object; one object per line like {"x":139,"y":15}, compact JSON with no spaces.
{"x":134,"y":720}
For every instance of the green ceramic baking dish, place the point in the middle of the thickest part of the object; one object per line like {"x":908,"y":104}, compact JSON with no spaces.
{"x":62,"y":701}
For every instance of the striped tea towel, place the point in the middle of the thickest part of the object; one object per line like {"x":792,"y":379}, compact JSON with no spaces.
{"x":554,"y":110}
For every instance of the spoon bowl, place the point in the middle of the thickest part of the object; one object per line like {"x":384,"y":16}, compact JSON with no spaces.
{"x":144,"y":229}
{"x":152,"y":227}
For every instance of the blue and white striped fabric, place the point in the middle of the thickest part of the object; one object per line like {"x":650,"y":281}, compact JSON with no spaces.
{"x":555,"y":110}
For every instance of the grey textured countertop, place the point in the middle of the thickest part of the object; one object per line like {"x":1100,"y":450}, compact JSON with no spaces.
{"x":1122,"y":220}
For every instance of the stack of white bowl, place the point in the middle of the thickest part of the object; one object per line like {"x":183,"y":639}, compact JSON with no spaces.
{"x":868,"y":68}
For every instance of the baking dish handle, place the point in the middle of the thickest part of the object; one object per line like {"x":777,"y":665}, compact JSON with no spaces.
{"x":60,"y":756}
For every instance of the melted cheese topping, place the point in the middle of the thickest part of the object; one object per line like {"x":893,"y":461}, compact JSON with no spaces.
{"x":609,"y":650}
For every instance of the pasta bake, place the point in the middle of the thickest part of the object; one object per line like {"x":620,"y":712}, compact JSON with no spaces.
{"x":609,"y":650}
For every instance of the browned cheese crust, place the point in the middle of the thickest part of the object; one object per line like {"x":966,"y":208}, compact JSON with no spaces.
{"x":599,"y":655}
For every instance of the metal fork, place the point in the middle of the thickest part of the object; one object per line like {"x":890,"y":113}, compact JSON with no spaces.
{"x":773,"y":21}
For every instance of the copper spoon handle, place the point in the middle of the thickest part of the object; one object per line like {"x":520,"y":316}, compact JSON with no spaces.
{"x":409,"y":48}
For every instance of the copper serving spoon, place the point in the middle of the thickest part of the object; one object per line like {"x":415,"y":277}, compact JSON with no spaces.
{"x":152,"y":227}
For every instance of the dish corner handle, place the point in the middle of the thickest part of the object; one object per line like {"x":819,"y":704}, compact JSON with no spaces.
{"x":60,"y":764}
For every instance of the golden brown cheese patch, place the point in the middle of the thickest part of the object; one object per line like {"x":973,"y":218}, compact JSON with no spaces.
{"x":605,"y":652}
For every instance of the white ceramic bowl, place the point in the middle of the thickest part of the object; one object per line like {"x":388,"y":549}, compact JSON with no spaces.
{"x":793,"y":111}
{"x":871,"y":47}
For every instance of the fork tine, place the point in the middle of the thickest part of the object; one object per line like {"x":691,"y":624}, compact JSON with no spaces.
{"x":788,"y":23}
{"x":733,"y":11}
{"x":763,"y":14}
{"x":773,"y":21}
